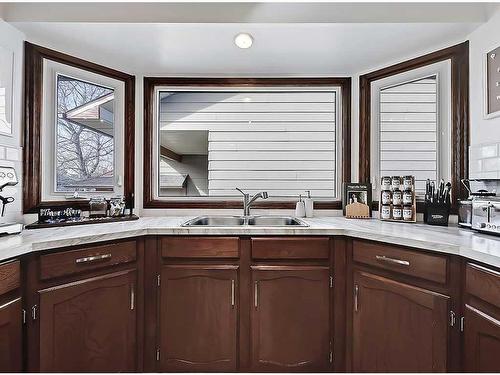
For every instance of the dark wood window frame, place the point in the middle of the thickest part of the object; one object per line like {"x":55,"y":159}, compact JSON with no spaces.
{"x":149,"y":123}
{"x":33,"y":81}
{"x":459,"y":57}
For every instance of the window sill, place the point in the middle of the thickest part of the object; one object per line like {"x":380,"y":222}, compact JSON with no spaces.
{"x":319,"y":205}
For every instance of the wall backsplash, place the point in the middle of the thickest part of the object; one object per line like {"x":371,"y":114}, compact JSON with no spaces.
{"x":484,"y":161}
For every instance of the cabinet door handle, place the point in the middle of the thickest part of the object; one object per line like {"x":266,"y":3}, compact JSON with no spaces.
{"x":232,"y":293}
{"x":356,"y":292}
{"x":93,"y":258}
{"x":256,"y":294}
{"x":132,"y":297}
{"x":399,"y":262}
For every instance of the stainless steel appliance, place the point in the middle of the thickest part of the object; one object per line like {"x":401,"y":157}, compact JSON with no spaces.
{"x":465,"y":205}
{"x":486,"y":215}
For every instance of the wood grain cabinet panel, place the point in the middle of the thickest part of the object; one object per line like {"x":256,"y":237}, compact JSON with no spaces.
{"x":483,"y":283}
{"x":89,"y":325}
{"x":11,"y":332}
{"x":398,"y":327}
{"x":482,"y":341}
{"x":290,"y":320}
{"x":200,"y":247}
{"x":10,"y":276}
{"x":198,"y":318}
{"x":86,"y":259}
{"x":412,"y":263}
{"x":291,"y":248}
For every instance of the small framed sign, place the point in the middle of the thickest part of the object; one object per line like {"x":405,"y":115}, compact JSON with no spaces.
{"x":492,"y":84}
{"x":357,"y":200}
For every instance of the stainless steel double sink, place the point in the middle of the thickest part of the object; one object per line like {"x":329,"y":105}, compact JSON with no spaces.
{"x":236,"y":221}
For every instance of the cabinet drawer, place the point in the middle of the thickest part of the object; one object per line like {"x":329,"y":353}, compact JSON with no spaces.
{"x":10,"y":276}
{"x":87,"y":259}
{"x":412,"y":263}
{"x":200,"y":247}
{"x":483,"y":283}
{"x":291,"y":248}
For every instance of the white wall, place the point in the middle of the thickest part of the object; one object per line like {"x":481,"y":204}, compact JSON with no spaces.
{"x":485,"y":38}
{"x":10,"y":147}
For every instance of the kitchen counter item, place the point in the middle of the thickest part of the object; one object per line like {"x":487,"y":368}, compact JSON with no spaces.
{"x":486,"y":215}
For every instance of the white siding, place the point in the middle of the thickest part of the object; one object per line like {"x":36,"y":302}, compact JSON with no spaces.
{"x":409,"y":131}
{"x":280,"y":142}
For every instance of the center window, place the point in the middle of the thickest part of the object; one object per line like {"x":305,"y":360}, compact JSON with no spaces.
{"x":208,"y":141}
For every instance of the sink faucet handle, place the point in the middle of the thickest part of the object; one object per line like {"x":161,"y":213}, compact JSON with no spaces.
{"x":241,"y":191}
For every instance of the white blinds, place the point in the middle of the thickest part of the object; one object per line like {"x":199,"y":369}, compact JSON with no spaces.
{"x":409,"y":130}
{"x":280,"y":142}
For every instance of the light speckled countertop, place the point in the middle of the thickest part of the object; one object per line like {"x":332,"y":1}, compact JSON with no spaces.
{"x":451,"y":240}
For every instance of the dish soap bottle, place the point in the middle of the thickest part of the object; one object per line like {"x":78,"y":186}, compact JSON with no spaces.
{"x":309,"y":204}
{"x":300,"y":209}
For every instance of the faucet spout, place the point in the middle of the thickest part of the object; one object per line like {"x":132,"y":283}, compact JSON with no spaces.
{"x":247,"y":202}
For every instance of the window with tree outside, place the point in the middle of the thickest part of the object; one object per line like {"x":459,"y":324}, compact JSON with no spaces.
{"x":84,"y":146}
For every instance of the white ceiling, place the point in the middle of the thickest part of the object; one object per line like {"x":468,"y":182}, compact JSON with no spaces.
{"x":279,"y":49}
{"x":194,"y":38}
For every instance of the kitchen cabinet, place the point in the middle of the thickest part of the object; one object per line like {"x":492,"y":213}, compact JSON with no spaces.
{"x":89,"y":325}
{"x":481,"y":341}
{"x":397,"y":327}
{"x":290,"y":318}
{"x":11,"y":325}
{"x":198,"y":317}
{"x":11,"y":331}
{"x":481,"y":321}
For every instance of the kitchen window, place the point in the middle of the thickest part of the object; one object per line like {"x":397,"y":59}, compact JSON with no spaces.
{"x":206,"y":141}
{"x":76,"y":141}
{"x":414,"y":120}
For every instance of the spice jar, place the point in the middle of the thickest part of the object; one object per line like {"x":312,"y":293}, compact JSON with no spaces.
{"x":397,"y":195}
{"x":397,"y":212}
{"x":385,"y":212}
{"x":386,"y":183}
{"x":407,"y":213}
{"x":407,"y":197}
{"x":396,"y":182}
{"x":386,"y":197}
{"x":407,"y":182}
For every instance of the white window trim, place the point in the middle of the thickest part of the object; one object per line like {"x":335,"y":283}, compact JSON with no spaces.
{"x":338,"y":137}
{"x":48,"y":135}
{"x":442,"y":70}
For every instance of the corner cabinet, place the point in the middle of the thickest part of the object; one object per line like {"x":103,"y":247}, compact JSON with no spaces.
{"x":481,"y":321}
{"x":11,"y":318}
{"x":198,"y":318}
{"x":290,"y":318}
{"x":89,"y":325}
{"x":398,"y":327}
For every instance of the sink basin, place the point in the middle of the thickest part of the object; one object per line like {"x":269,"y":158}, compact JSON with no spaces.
{"x":215,"y":221}
{"x":236,"y":221}
{"x":275,"y":221}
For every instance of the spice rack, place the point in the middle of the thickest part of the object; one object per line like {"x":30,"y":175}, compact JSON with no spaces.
{"x":397,"y":199}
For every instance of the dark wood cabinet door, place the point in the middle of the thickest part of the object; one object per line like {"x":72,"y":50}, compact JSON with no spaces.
{"x":398,"y":327}
{"x":290,"y":318}
{"x":11,"y":333}
{"x":482,"y":341}
{"x":198,"y":317}
{"x":89,"y":325}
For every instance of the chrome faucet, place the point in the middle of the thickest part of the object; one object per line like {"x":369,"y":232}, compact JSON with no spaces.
{"x":247,"y":202}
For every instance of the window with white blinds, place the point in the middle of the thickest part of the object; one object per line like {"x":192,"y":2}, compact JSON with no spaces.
{"x":279,"y":141}
{"x":408,"y":140}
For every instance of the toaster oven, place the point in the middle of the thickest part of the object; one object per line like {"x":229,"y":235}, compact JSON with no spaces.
{"x":486,"y":215}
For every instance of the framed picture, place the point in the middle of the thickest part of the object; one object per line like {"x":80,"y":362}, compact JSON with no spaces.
{"x":6,"y":87}
{"x":357,"y":200}
{"x":491,"y":83}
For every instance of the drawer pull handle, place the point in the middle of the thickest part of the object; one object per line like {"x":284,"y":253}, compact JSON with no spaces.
{"x":256,"y":294}
{"x":93,"y":258}
{"x":399,"y":262}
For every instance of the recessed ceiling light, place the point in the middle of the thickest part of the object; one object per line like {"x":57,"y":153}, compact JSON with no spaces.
{"x":243,"y":40}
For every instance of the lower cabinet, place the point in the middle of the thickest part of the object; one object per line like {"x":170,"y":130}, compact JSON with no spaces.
{"x":89,"y":325}
{"x":198,"y":318}
{"x":398,"y":327}
{"x":11,"y":332}
{"x":482,"y":341}
{"x":290,"y":318}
